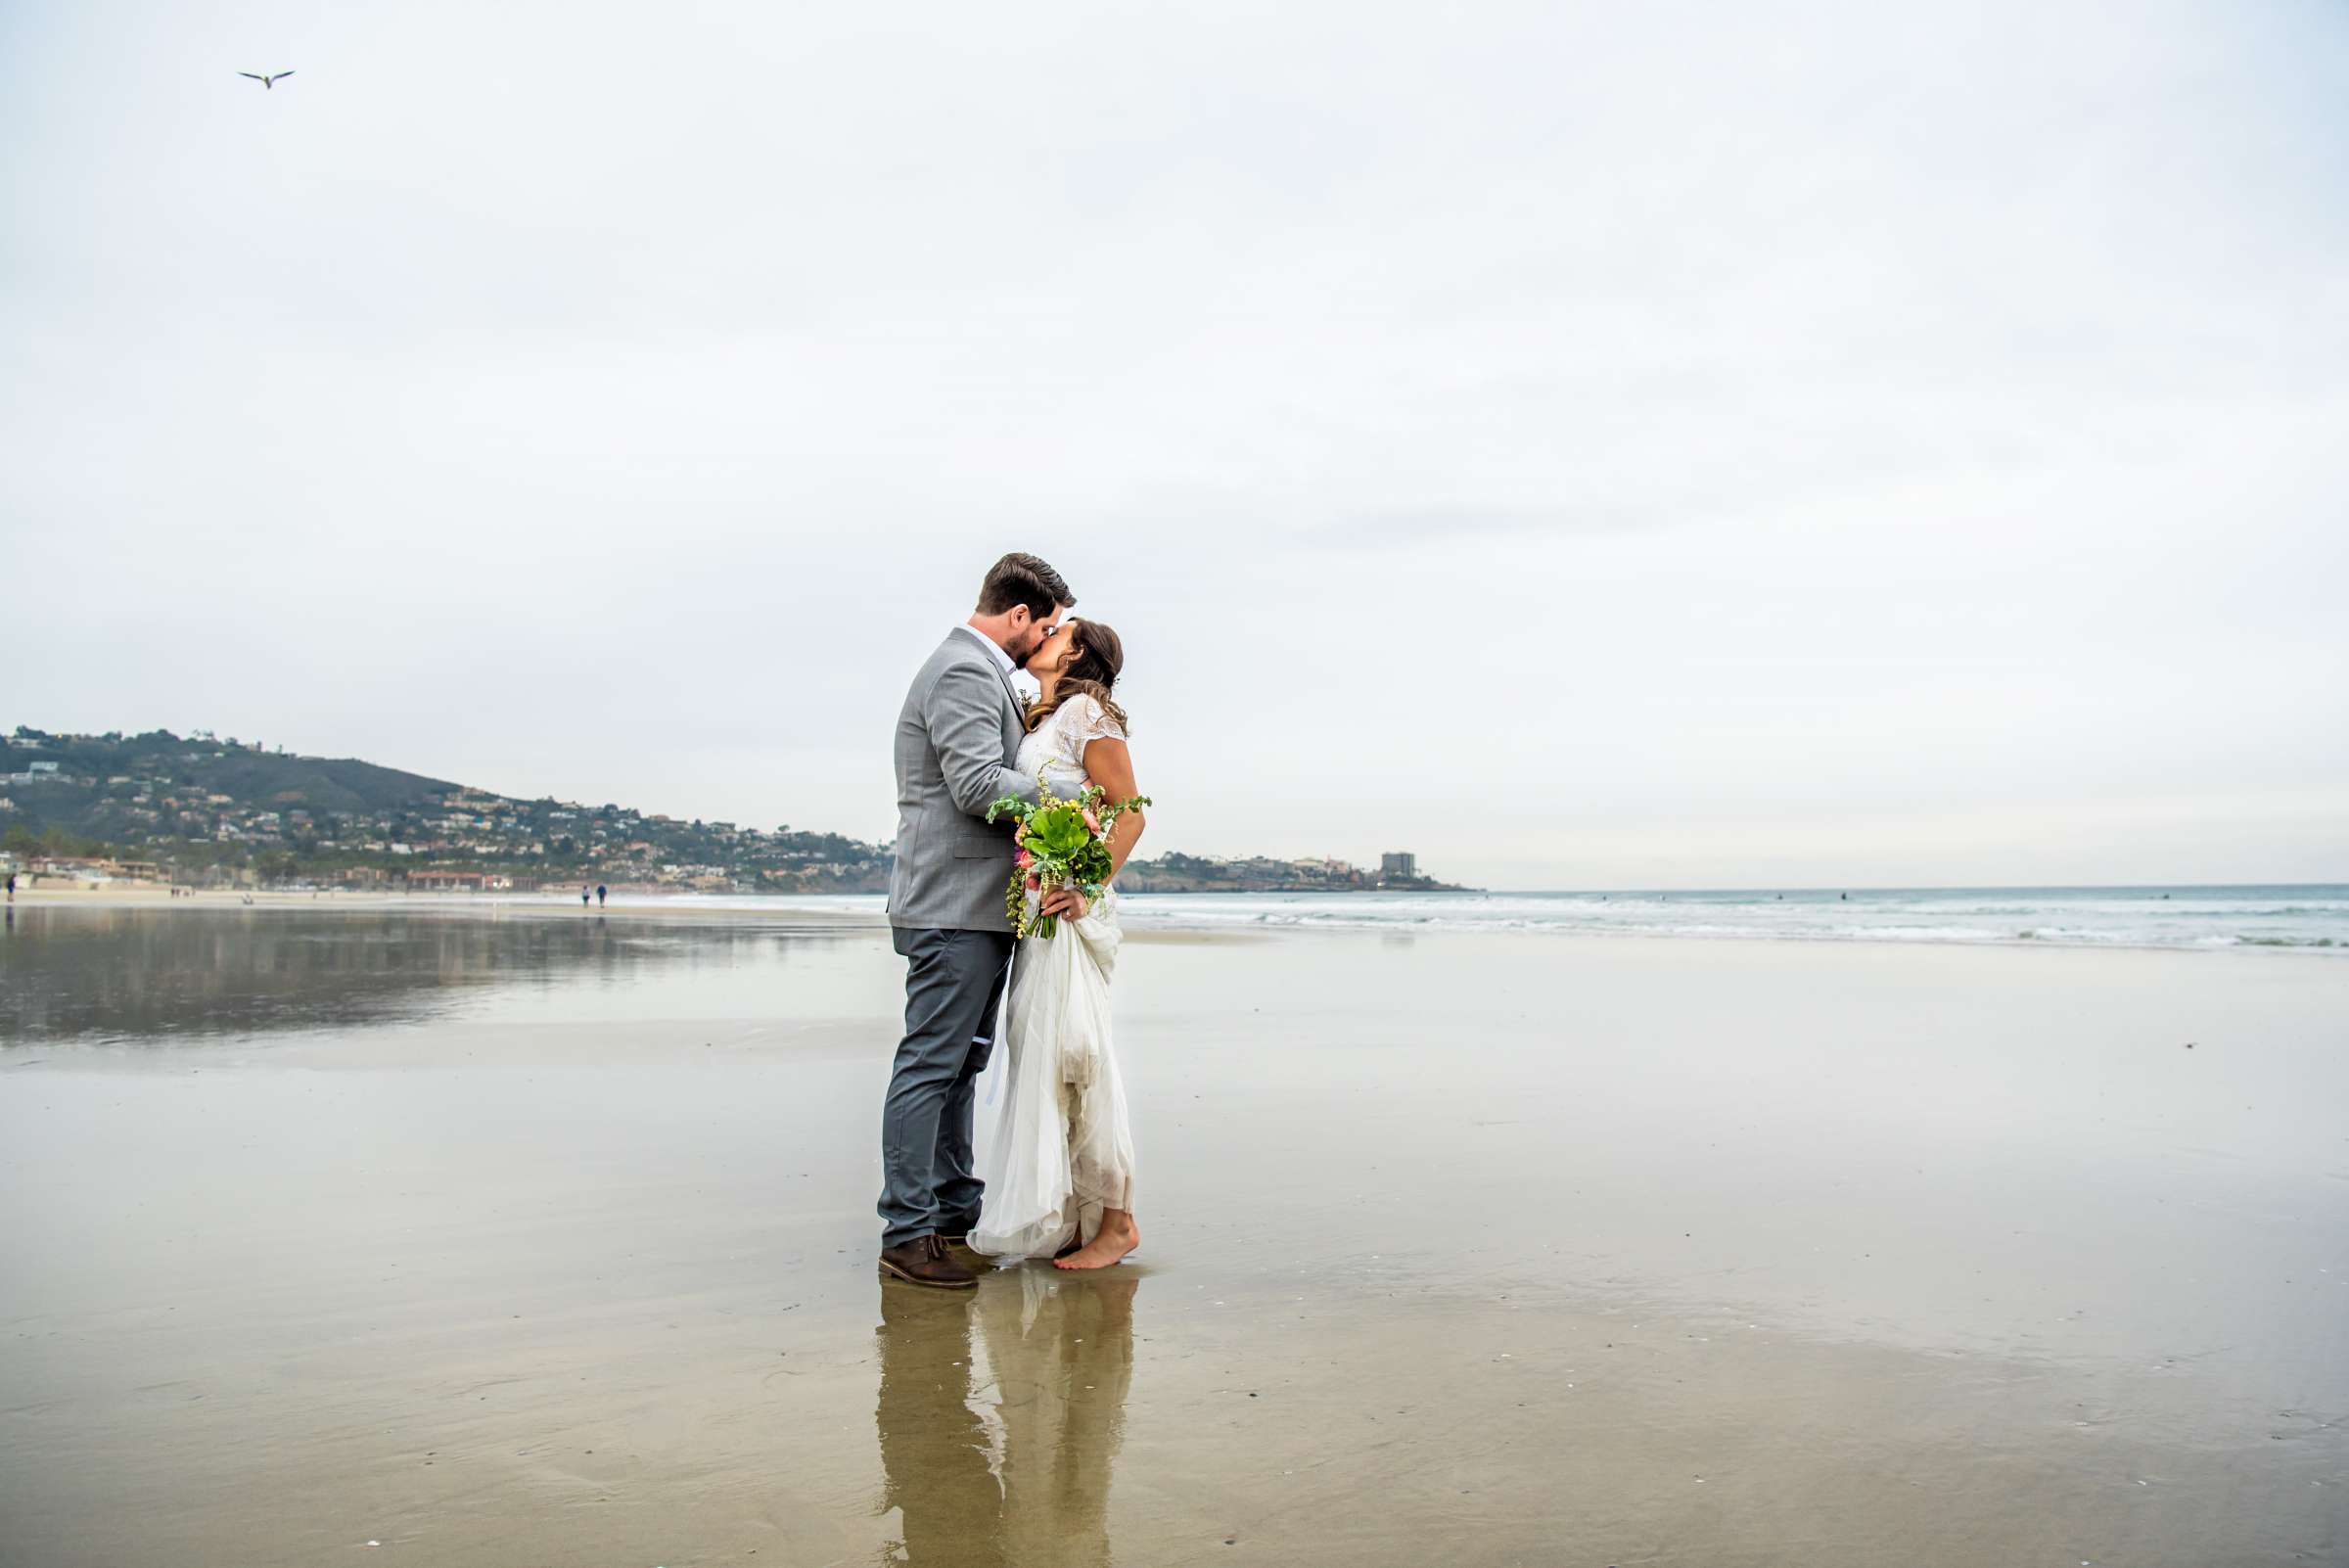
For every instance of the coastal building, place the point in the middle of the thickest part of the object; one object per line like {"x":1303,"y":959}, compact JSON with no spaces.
{"x":435,"y":881}
{"x":91,"y":870}
{"x":1399,"y":863}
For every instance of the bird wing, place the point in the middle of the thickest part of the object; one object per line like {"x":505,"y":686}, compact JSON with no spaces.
{"x":281,"y":75}
{"x":263,"y":80}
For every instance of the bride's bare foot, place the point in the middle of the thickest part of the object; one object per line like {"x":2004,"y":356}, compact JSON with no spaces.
{"x":1118,"y":1236}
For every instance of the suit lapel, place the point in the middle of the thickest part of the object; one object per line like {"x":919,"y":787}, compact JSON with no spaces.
{"x":1019,"y":703}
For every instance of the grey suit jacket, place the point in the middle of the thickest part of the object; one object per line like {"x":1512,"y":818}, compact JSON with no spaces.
{"x":957,"y":735}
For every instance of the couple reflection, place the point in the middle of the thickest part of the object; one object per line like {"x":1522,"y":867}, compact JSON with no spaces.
{"x":999,"y":1416}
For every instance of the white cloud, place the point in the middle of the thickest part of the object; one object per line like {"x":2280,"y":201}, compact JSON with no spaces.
{"x":1805,"y":444}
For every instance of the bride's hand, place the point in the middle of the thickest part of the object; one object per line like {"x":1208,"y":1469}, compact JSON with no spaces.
{"x":1066,"y":903}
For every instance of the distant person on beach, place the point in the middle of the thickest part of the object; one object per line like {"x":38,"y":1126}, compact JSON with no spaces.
{"x":12,"y":887}
{"x":599,"y":896}
{"x":585,"y":894}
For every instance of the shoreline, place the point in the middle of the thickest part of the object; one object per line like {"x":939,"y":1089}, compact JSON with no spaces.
{"x":852,"y":910}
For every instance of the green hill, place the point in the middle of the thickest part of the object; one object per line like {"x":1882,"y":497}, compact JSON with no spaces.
{"x":213,"y":810}
{"x":210,"y":808}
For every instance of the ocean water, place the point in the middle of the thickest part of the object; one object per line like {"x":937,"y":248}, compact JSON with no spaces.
{"x":2303,"y":918}
{"x":2312,"y":918}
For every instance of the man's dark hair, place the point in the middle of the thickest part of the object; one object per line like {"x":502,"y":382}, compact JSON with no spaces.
{"x":1023,"y":579}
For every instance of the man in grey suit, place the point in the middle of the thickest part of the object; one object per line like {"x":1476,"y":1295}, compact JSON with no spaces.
{"x":958,"y":736}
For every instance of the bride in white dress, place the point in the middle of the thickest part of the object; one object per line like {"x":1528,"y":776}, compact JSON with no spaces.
{"x":1059,"y":1170}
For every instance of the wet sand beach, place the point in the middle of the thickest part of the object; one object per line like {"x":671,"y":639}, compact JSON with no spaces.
{"x":509,"y":1237}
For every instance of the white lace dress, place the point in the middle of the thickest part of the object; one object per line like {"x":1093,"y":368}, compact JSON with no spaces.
{"x":1061,"y":1150}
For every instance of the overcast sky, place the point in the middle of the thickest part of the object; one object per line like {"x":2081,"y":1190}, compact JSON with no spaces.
{"x":1591,"y":446}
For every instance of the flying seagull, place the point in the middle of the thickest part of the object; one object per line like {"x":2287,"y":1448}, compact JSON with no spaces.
{"x":266,"y":81}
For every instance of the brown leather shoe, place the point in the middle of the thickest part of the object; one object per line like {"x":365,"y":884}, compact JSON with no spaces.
{"x":924,"y":1261}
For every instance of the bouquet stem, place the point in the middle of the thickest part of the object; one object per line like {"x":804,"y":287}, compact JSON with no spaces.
{"x":1046,"y":925}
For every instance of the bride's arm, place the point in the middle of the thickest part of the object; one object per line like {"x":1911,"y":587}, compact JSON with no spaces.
{"x":1108,"y":763}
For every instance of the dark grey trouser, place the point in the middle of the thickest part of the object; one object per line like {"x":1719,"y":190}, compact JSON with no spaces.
{"x":953,"y":993}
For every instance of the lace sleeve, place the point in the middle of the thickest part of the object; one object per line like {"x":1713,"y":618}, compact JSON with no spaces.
{"x":1088,"y":721}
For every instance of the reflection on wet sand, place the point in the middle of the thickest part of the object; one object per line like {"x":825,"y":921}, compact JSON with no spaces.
{"x":163,"y":974}
{"x":1848,"y":1257}
{"x":998,"y":1446}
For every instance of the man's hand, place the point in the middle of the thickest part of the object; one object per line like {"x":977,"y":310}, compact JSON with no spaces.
{"x":1064,"y":902}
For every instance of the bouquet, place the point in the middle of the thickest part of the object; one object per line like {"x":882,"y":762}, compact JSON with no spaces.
{"x":1063,"y":844}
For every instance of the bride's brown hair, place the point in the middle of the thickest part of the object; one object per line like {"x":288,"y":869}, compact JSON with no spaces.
{"x":1092,"y":671}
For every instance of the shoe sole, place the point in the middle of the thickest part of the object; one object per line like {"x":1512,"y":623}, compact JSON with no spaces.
{"x":889,"y":1272}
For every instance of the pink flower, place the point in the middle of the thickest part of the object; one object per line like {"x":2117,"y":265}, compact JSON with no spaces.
{"x":1036,"y":883}
{"x":1026,"y":859}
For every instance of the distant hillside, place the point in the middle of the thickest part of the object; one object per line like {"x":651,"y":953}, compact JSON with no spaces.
{"x":212,"y":810}
{"x":202,"y":809}
{"x":246,"y":772}
{"x":1191,"y":873}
